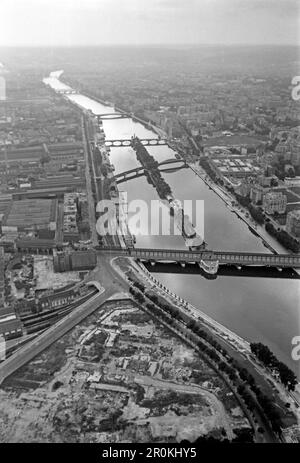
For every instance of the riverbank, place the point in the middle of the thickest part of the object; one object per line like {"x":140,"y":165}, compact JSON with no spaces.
{"x":147,"y":124}
{"x":269,"y":242}
{"x":256,"y":229}
{"x":239,"y":346}
{"x":232,"y":338}
{"x":260,"y":310}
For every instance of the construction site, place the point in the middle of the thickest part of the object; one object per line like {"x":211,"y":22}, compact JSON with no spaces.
{"x":119,"y":376}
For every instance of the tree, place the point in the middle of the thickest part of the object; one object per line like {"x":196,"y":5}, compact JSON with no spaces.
{"x":274,"y":182}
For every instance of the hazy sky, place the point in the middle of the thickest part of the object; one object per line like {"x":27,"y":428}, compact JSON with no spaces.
{"x":96,"y":22}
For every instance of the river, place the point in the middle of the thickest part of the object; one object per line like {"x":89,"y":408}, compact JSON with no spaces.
{"x":258,"y":309}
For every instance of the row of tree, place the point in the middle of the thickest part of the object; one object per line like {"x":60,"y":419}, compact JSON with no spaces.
{"x":152,"y":171}
{"x":256,"y":212}
{"x":266,"y":356}
{"x":283,"y":237}
{"x":207,"y":167}
{"x":207,"y":344}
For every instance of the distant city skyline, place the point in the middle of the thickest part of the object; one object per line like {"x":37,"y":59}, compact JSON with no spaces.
{"x":140,"y":22}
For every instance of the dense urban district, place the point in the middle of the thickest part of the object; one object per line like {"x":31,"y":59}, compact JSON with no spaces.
{"x":93,"y":347}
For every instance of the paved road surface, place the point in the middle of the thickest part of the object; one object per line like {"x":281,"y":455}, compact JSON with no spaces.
{"x":92,"y":217}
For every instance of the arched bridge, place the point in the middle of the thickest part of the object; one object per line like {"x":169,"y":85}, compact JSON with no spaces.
{"x":128,"y":142}
{"x":138,"y":171}
{"x":112,"y":116}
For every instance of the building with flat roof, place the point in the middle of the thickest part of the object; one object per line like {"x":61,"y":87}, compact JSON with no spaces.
{"x":293,"y":223}
{"x":45,"y":193}
{"x":30,"y":214}
{"x":10,"y":326}
{"x":32,"y":153}
{"x":256,"y":193}
{"x":75,"y":261}
{"x":233,"y":167}
{"x":2,"y":278}
{"x":70,"y":228}
{"x":57,"y":298}
{"x":274,"y":202}
{"x":36,"y":245}
{"x":60,"y":181}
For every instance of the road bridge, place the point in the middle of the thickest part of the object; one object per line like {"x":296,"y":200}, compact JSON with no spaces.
{"x":117,"y":143}
{"x":112,"y":116}
{"x":66,"y":91}
{"x":138,"y":171}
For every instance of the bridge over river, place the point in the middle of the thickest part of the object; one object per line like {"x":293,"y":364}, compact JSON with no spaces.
{"x":210,"y":261}
{"x":138,"y":171}
{"x":125,"y":142}
{"x":112,"y":116}
{"x":66,"y":91}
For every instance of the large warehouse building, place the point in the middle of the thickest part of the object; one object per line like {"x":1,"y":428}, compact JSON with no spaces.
{"x":30,"y":214}
{"x":75,"y":261}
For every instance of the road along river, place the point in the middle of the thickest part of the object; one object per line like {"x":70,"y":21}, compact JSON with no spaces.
{"x":258,"y":309}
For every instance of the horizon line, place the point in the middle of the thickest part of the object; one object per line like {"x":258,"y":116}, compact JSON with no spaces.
{"x":164,"y":44}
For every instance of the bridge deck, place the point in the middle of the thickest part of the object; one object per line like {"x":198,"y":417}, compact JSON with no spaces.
{"x":112,"y":116}
{"x":117,"y":143}
{"x":136,"y":170}
{"x":224,"y":257}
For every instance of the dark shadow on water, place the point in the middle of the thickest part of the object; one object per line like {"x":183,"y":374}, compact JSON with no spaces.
{"x":224,"y":270}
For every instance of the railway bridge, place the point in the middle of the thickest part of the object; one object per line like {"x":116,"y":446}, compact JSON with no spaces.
{"x":209,"y":261}
{"x":223,"y":257}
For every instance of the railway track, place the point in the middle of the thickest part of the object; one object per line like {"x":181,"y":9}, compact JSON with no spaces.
{"x":47,"y":318}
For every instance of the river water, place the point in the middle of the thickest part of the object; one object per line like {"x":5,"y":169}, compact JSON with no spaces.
{"x":259,"y":309}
